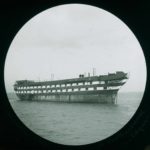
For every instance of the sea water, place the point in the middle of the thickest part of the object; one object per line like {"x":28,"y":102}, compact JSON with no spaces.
{"x":76,"y":123}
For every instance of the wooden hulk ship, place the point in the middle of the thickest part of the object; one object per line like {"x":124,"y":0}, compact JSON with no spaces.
{"x":103,"y":89}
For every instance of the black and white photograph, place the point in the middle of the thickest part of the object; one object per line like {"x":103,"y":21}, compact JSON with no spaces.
{"x":75,"y":74}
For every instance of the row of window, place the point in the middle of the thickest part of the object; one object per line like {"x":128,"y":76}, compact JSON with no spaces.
{"x":61,"y":85}
{"x":64,"y":90}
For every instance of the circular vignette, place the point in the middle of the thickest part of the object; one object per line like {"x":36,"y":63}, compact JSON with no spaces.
{"x":34,"y":39}
{"x":136,"y":119}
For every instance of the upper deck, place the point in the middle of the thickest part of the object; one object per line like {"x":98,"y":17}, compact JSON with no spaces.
{"x":103,"y":82}
{"x":110,"y":77}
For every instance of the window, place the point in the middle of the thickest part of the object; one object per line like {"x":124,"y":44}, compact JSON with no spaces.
{"x":95,"y":82}
{"x":80,"y":84}
{"x":76,"y":89}
{"x":99,"y":88}
{"x":64,"y":90}
{"x":62,"y":85}
{"x":74,"y":84}
{"x":32,"y":91}
{"x":82,"y":89}
{"x":102,"y":82}
{"x":91,"y":89}
{"x":69,"y":90}
{"x":68,"y":84}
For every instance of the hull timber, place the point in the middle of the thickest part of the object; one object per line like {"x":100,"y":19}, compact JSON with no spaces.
{"x":107,"y":96}
{"x":102,"y":89}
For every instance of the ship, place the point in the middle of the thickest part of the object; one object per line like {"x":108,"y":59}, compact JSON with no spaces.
{"x":98,"y":88}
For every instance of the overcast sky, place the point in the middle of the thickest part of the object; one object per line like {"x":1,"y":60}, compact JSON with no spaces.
{"x":68,"y":40}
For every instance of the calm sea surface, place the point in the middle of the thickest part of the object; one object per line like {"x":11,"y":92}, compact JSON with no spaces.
{"x":76,"y":123}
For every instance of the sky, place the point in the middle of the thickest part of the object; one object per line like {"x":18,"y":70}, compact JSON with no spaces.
{"x":69,"y":40}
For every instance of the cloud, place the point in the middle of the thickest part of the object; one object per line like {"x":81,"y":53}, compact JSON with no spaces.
{"x":72,"y":39}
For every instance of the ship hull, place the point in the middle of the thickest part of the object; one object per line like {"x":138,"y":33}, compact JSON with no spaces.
{"x":104,"y":96}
